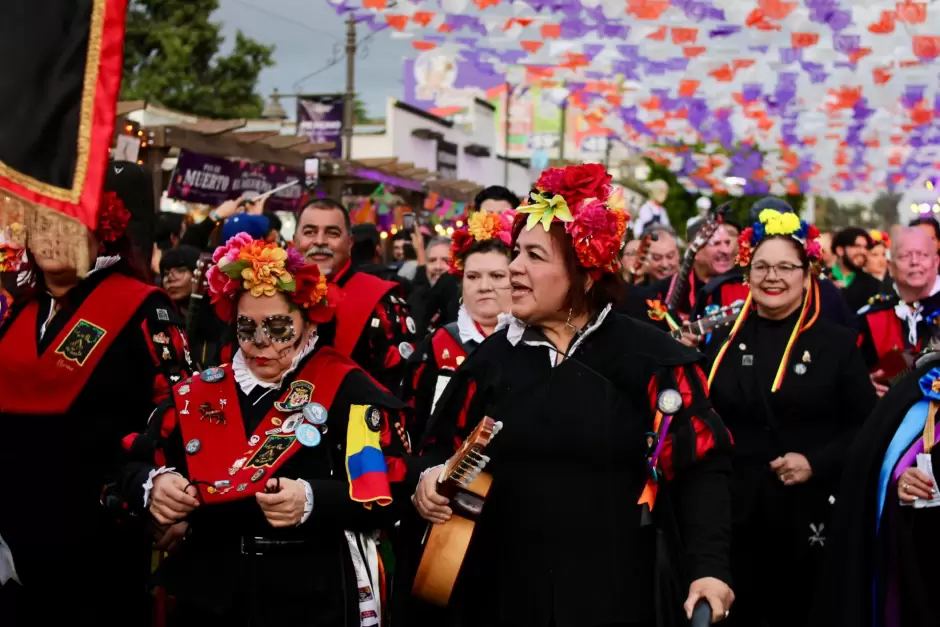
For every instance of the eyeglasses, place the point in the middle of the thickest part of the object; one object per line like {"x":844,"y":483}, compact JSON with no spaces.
{"x":913,"y":255}
{"x":782,"y":270}
{"x":177,"y":273}
{"x":277,"y":328}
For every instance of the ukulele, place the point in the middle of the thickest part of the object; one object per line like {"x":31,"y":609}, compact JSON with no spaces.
{"x":709,"y":322}
{"x":445,"y":545}
{"x":681,"y":281}
{"x":642,"y":254}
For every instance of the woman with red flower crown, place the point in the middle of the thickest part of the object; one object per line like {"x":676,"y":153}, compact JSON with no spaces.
{"x":793,"y":389}
{"x":608,"y":441}
{"x":85,"y":361}
{"x":280,"y":466}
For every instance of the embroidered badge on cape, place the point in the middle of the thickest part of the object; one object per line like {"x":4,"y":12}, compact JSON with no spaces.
{"x":80,"y":342}
{"x":300,"y":393}
{"x":270,"y":451}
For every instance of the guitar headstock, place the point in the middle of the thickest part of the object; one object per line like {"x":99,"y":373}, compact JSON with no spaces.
{"x":713,"y":220}
{"x":468,"y":462}
{"x":724,"y":316}
{"x":200,"y":281}
{"x":642,"y":252}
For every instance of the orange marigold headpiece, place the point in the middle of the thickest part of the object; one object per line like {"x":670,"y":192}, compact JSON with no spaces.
{"x":481,"y":226}
{"x":264,"y":269}
{"x":594,"y":213}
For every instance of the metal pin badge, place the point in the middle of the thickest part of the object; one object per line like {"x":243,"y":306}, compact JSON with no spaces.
{"x":193,"y":446}
{"x":800,"y":369}
{"x":315,"y":413}
{"x":669,"y":401}
{"x":747,"y":360}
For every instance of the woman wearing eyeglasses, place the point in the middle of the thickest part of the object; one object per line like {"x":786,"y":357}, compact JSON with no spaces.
{"x":793,"y":389}
{"x":282,"y":464}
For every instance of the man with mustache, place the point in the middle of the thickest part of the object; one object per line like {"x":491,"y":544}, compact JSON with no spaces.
{"x":373,"y":326}
{"x":891,"y":324}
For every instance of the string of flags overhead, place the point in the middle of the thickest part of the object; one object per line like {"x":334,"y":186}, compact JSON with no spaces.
{"x":818,"y":95}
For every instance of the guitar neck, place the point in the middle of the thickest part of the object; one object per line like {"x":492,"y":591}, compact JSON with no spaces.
{"x":682,"y":278}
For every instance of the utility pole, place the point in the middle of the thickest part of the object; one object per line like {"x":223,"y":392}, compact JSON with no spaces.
{"x":349,"y":108}
{"x":564,"y":125}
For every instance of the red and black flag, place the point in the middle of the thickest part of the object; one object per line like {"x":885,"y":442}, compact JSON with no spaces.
{"x":58,"y":97}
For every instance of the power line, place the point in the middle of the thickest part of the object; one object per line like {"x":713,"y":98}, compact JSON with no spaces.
{"x":284,"y":18}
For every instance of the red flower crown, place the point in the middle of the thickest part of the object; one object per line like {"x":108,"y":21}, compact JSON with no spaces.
{"x":594,"y":213}
{"x":481,"y":226}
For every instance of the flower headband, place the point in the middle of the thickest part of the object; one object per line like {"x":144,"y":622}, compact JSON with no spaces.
{"x":880,"y":237}
{"x":263,"y":269}
{"x":481,"y":226}
{"x":772,"y":222}
{"x":593,"y":212}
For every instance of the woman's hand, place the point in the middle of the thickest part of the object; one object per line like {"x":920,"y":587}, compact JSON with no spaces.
{"x":792,"y":469}
{"x":284,"y":508}
{"x":431,"y":505}
{"x":913,"y":484}
{"x":719,"y":596}
{"x":169,"y":538}
{"x":172,"y":498}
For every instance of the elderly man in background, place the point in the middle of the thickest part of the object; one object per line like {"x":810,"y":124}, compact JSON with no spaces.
{"x":894,"y":327}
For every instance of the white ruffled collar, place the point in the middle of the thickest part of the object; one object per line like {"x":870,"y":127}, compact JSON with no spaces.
{"x":246,"y":379}
{"x":467,"y":328}
{"x":517,"y":329}
{"x":104,"y":262}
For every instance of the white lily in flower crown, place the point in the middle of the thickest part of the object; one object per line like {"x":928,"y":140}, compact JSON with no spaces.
{"x":544,"y":209}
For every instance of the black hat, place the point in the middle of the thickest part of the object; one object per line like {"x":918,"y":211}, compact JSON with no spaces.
{"x":768,"y":202}
{"x":179,"y":257}
{"x":133,"y":185}
{"x":366,"y":232}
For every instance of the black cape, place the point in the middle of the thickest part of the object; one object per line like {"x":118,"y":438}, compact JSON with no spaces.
{"x":845,"y":596}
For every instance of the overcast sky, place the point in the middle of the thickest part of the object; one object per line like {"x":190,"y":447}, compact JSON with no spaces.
{"x":305,"y":33}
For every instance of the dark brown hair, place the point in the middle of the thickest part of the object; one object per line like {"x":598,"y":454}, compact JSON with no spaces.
{"x":606,"y":290}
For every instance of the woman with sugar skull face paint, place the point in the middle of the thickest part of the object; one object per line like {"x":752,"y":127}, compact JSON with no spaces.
{"x":287,"y":461}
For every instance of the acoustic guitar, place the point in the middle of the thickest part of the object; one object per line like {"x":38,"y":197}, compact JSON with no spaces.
{"x":445,"y":545}
{"x":709,"y":322}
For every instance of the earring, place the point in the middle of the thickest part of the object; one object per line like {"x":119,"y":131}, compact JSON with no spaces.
{"x":568,"y":321}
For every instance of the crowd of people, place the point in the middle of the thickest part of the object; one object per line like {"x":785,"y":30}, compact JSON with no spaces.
{"x":215,"y":426}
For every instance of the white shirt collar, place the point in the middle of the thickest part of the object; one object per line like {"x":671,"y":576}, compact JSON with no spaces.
{"x":104,"y":262}
{"x":466,"y":327}
{"x":913,"y":313}
{"x":247,"y":381}
{"x":517,"y":329}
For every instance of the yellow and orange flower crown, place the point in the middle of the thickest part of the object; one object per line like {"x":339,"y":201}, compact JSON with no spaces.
{"x":593,"y":212}
{"x":244,"y":264}
{"x":481,"y":226}
{"x":772,"y":222}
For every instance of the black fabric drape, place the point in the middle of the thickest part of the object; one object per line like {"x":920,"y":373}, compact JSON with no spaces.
{"x":44,"y":47}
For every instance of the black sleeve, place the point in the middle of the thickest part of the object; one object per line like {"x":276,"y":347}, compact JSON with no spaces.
{"x":866,"y":342}
{"x":159,"y":445}
{"x":855,"y":387}
{"x":332,"y":502}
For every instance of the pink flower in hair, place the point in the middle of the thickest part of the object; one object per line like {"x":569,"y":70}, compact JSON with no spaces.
{"x":295,"y":261}
{"x":813,"y":249}
{"x":231,"y":249}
